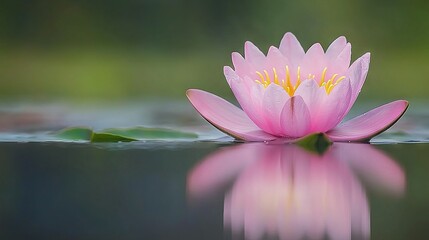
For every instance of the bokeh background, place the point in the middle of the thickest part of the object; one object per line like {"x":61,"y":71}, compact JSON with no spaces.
{"x":109,"y":50}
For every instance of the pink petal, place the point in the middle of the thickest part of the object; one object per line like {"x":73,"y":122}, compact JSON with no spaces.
{"x":230,"y":75}
{"x":369,"y":124}
{"x":336,"y":47}
{"x":249,"y":95}
{"x":327,"y":110}
{"x":242,"y":68}
{"x":252,"y":54}
{"x":292,"y":49}
{"x":341,"y":63}
{"x":309,"y":91}
{"x":357,"y":74}
{"x":295,"y":118}
{"x":225,"y":116}
{"x":275,"y":59}
{"x":273,"y":101}
{"x":313,"y":62}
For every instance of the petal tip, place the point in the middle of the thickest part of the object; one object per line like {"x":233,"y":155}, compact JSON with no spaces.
{"x":406,"y":103}
{"x":367,"y":56}
{"x":289,"y":35}
{"x":236,"y":56}
{"x":227,"y":70}
{"x":272,"y":49}
{"x":341,"y":38}
{"x":248,"y":44}
{"x":190,"y":92}
{"x":405,"y":106}
{"x":315,"y":46}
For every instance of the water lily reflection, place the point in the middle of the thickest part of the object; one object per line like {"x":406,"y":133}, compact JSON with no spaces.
{"x":287,"y":192}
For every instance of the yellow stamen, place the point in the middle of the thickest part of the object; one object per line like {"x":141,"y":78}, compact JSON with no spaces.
{"x":332,"y":79}
{"x":329,"y":89}
{"x":276,"y":79}
{"x":339,"y":80}
{"x":268,"y":76}
{"x":322,"y":80}
{"x":261,"y":76}
{"x":290,"y":88}
{"x":330,"y":82}
{"x":287,"y":74}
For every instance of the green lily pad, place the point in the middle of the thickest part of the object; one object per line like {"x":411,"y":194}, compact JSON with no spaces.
{"x":75,"y":134}
{"x":149,"y":133}
{"x":120,"y":134}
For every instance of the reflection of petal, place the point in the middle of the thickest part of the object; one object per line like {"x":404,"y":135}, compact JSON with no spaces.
{"x":373,"y":165}
{"x":219,"y":168}
{"x":284,"y":191}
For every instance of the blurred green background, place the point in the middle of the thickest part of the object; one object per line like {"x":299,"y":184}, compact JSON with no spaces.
{"x":80,"y":50}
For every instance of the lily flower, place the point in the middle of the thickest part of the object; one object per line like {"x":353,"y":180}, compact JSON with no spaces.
{"x":290,"y":94}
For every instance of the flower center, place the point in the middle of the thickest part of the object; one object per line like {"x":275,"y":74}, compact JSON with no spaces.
{"x":267,"y":78}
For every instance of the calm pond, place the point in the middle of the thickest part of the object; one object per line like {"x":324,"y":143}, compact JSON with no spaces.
{"x":206,"y":188}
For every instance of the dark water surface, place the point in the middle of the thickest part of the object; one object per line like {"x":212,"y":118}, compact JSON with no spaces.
{"x":217,"y":189}
{"x":213,"y":191}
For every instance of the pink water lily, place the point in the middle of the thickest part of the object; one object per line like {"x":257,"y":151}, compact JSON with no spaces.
{"x":291,"y":93}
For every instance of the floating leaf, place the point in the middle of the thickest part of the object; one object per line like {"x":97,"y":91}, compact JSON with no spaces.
{"x":120,"y":134}
{"x":149,"y":133}
{"x":75,"y":134}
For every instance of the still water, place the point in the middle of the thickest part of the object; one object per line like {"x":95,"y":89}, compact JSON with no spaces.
{"x":214,"y":188}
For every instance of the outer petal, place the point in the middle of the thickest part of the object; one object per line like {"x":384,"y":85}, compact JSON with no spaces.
{"x":225,"y":116}
{"x":295,"y":118}
{"x":357,"y":74}
{"x":292,"y":49}
{"x":369,"y":124}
